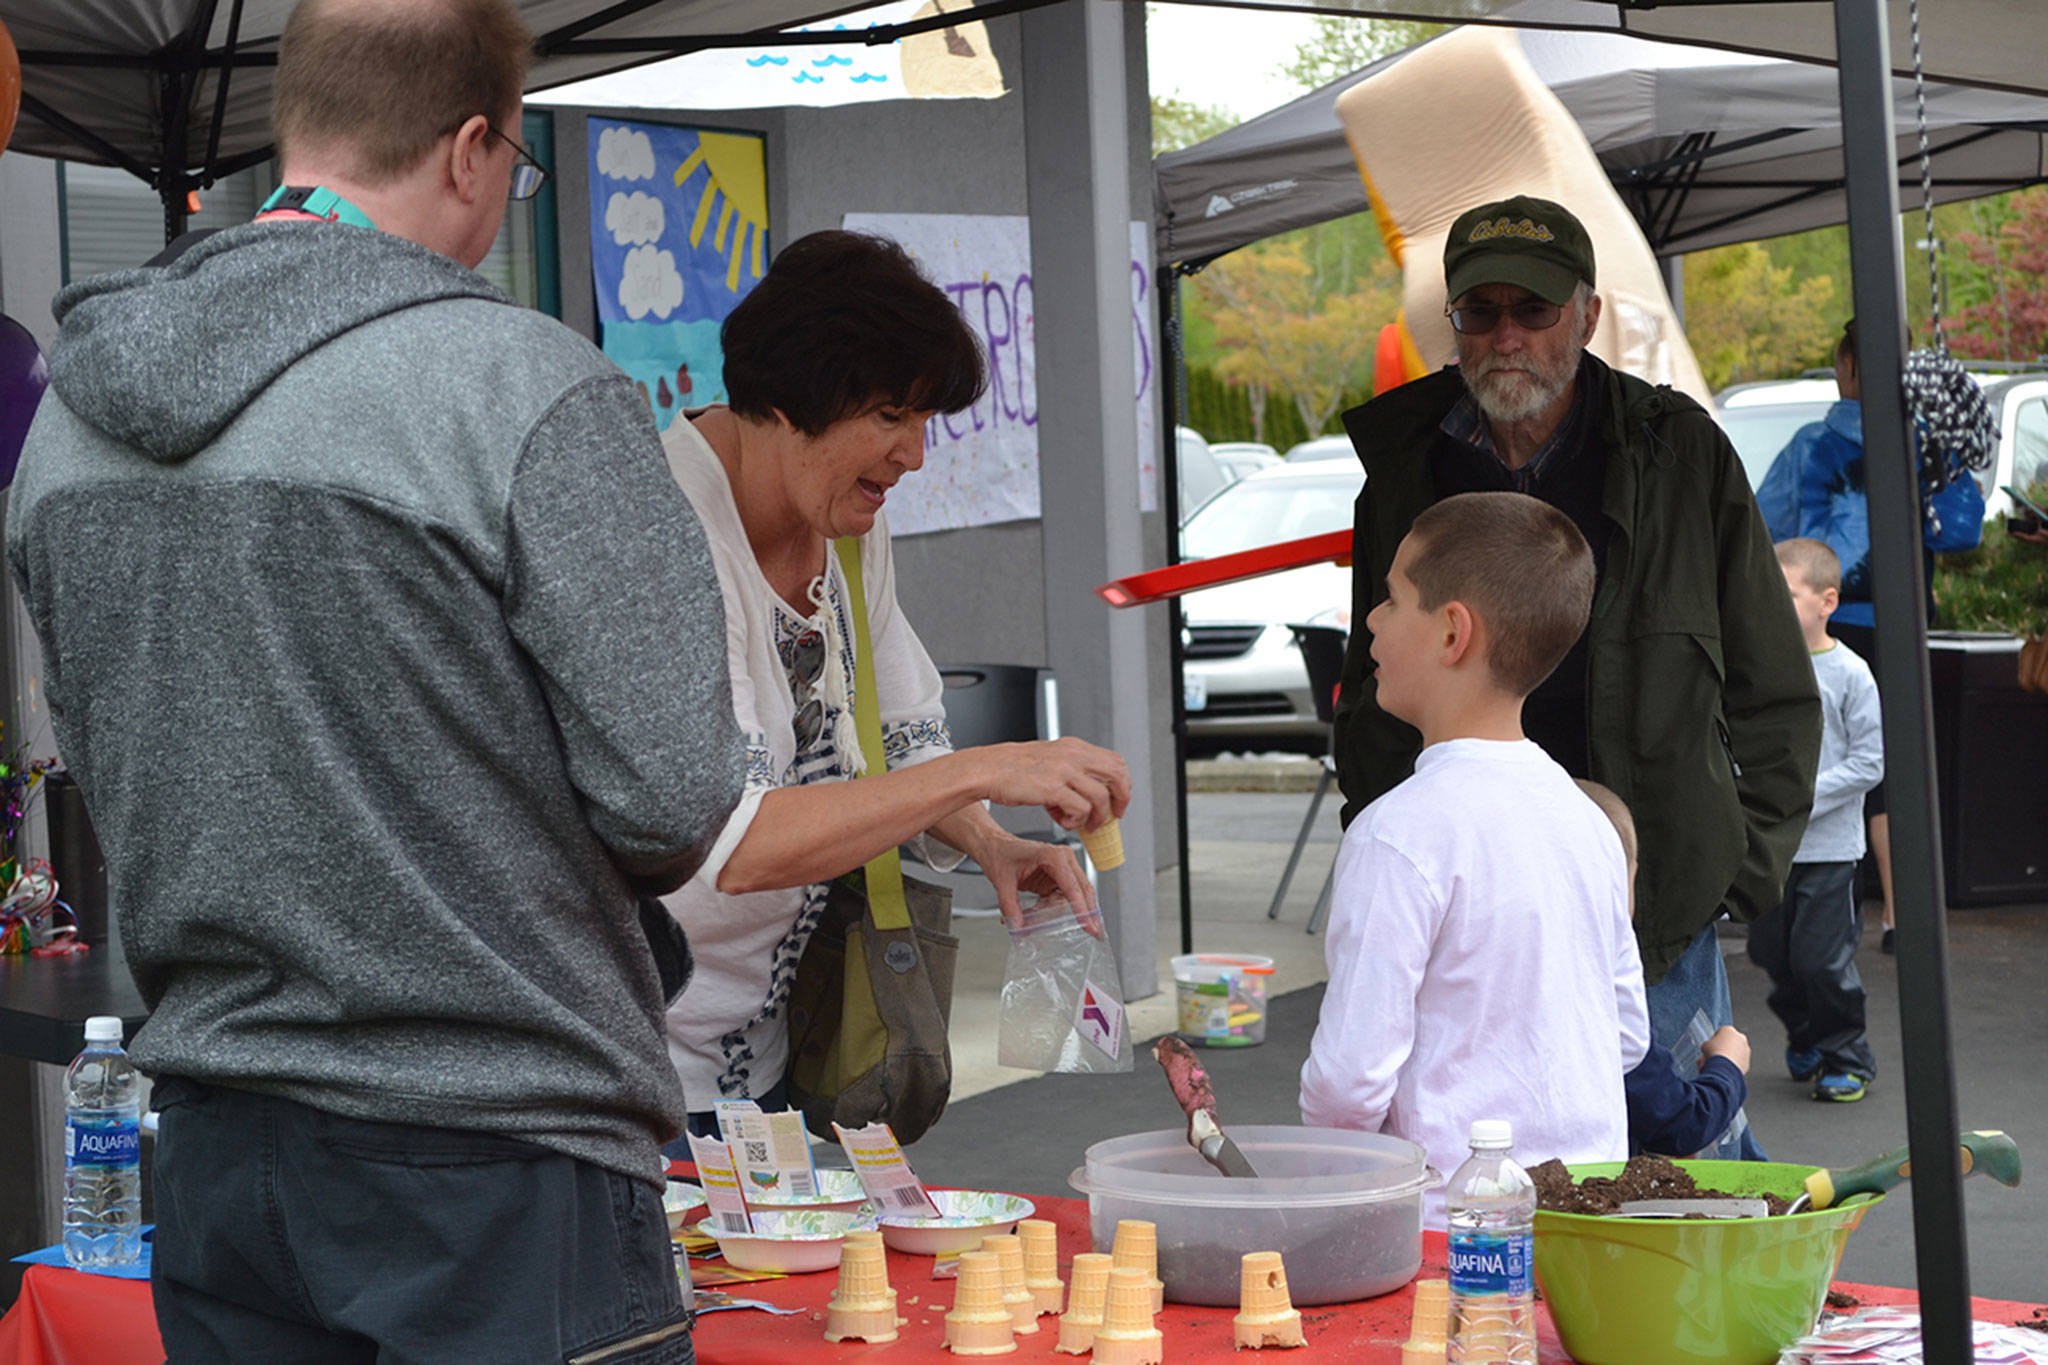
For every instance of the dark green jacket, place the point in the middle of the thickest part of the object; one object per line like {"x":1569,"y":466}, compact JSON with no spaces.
{"x":1702,"y":711}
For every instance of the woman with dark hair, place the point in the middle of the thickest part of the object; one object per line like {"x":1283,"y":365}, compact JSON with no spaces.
{"x":833,"y":365}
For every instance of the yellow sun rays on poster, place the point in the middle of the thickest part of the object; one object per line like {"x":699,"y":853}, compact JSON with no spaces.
{"x":737,"y":180}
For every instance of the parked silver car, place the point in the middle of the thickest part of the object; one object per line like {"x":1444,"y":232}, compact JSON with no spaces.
{"x":1244,"y":457}
{"x":1245,"y":680}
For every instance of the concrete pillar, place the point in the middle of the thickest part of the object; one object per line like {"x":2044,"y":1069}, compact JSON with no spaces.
{"x":31,"y":1093}
{"x":1077,"y":176}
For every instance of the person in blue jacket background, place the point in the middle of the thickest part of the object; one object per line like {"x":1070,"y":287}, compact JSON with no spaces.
{"x":1815,"y":489}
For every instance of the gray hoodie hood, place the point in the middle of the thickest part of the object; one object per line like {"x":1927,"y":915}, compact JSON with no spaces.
{"x":161,"y":358}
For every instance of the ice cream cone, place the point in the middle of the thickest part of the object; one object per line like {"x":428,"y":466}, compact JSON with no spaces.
{"x":1137,"y":1246}
{"x":1128,"y":1335}
{"x":863,"y":1307}
{"x":1042,"y":1263}
{"x":1431,"y":1325}
{"x":1009,"y":1250}
{"x":1266,"y":1314}
{"x":1090,"y":1293}
{"x":979,"y":1324}
{"x":1105,"y":845}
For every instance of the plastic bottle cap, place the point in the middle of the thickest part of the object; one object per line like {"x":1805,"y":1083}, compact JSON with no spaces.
{"x":1492,"y":1133}
{"x":103,"y":1028}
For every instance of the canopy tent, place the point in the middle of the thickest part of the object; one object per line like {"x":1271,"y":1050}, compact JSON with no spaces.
{"x":1706,"y":146}
{"x":1989,"y":43}
{"x":177,"y":92}
{"x":1994,"y":43}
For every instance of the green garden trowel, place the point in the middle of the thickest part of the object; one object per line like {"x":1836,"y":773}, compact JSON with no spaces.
{"x":1992,"y":1153}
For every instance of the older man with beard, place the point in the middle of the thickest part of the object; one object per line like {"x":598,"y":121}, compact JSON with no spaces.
{"x":1690,"y":693}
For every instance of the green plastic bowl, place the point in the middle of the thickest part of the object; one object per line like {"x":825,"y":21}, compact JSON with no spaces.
{"x":1733,"y":1291}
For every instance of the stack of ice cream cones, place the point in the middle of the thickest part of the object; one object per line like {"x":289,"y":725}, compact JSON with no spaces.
{"x":1085,"y":1303}
{"x":1128,"y":1335}
{"x":1042,"y":1263}
{"x":1266,"y":1313}
{"x":1009,"y":1253}
{"x":1429,"y":1331}
{"x":863,"y":1307}
{"x":1137,"y":1246}
{"x":979,"y":1324}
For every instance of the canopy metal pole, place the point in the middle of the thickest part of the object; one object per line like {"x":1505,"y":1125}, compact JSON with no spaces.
{"x":1869,"y":146}
{"x":1174,"y":380}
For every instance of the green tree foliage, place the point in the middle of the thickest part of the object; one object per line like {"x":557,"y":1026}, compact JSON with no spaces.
{"x":1283,"y":329}
{"x":1343,"y":45}
{"x":1178,"y":123}
{"x":1748,"y":318}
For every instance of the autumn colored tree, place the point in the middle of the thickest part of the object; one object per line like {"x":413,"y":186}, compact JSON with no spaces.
{"x":1276,"y":332}
{"x":2009,"y":321}
{"x":1748,"y":318}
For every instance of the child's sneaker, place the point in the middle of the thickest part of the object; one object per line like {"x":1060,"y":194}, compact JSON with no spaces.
{"x":1804,"y":1064}
{"x":1843,"y":1088}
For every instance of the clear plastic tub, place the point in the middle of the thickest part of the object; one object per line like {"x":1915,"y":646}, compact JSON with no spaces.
{"x":1222,"y":998}
{"x":1343,"y":1209}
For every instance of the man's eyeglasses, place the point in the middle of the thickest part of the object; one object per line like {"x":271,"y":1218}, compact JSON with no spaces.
{"x":807,"y":666}
{"x":1477,"y":319}
{"x":528,"y":175}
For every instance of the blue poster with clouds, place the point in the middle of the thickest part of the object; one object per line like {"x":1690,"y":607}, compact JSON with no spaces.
{"x":678,"y":235}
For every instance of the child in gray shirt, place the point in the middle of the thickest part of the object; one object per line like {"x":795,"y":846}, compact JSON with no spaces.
{"x":1808,"y":942}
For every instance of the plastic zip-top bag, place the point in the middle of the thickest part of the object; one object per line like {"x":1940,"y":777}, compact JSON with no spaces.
{"x":1062,"y":1007}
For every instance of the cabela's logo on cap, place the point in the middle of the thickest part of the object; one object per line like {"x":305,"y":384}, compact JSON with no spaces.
{"x":1528,"y":229}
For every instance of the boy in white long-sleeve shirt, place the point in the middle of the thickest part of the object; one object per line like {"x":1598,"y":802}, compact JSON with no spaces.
{"x":1481,"y":960}
{"x":1808,"y":941}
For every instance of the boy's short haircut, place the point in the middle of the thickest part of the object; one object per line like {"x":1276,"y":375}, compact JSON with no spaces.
{"x":1617,"y":812}
{"x":387,"y":82}
{"x":1523,"y":569}
{"x":1816,"y":564}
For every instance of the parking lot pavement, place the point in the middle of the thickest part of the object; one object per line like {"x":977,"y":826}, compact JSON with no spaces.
{"x":1025,"y":1133}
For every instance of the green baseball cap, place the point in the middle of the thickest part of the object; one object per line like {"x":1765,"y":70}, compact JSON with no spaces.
{"x":1521,"y":241}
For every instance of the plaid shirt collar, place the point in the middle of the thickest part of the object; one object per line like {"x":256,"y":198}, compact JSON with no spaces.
{"x":1466,"y":424}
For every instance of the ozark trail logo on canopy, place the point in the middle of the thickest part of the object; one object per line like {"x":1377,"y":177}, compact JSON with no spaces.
{"x":1218,"y":204}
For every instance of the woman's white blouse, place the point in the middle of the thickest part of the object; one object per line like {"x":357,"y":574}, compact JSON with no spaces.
{"x":726,"y":1033}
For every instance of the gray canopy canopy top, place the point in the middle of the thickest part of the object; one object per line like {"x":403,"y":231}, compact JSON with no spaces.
{"x":1705,"y":145}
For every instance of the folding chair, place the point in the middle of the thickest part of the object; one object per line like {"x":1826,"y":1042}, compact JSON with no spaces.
{"x":1322,"y":650}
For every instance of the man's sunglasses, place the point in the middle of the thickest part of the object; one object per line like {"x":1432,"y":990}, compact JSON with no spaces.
{"x":1477,"y":319}
{"x":528,"y":175}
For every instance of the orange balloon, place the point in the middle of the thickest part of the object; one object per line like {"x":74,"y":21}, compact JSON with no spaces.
{"x":10,"y":86}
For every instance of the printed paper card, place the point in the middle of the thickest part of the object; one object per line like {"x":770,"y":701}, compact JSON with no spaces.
{"x":1101,"y":1020}
{"x":885,"y":1172}
{"x":770,"y":1153}
{"x":722,"y":1196}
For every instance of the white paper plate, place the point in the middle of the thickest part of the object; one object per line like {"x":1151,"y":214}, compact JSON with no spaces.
{"x":793,"y":1241}
{"x":838,"y":1191}
{"x":678,"y":1201}
{"x":967,"y":1216}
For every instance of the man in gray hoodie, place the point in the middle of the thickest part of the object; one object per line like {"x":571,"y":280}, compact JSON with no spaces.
{"x":392,"y":665}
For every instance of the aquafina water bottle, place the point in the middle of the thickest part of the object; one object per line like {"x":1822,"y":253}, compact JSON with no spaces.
{"x":1491,"y":1204}
{"x":102,"y":1151}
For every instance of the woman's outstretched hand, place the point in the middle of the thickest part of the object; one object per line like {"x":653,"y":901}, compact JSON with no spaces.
{"x":1080,"y":785}
{"x":1012,"y":864}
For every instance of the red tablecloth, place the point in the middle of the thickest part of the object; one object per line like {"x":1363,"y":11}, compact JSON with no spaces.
{"x":67,"y":1318}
